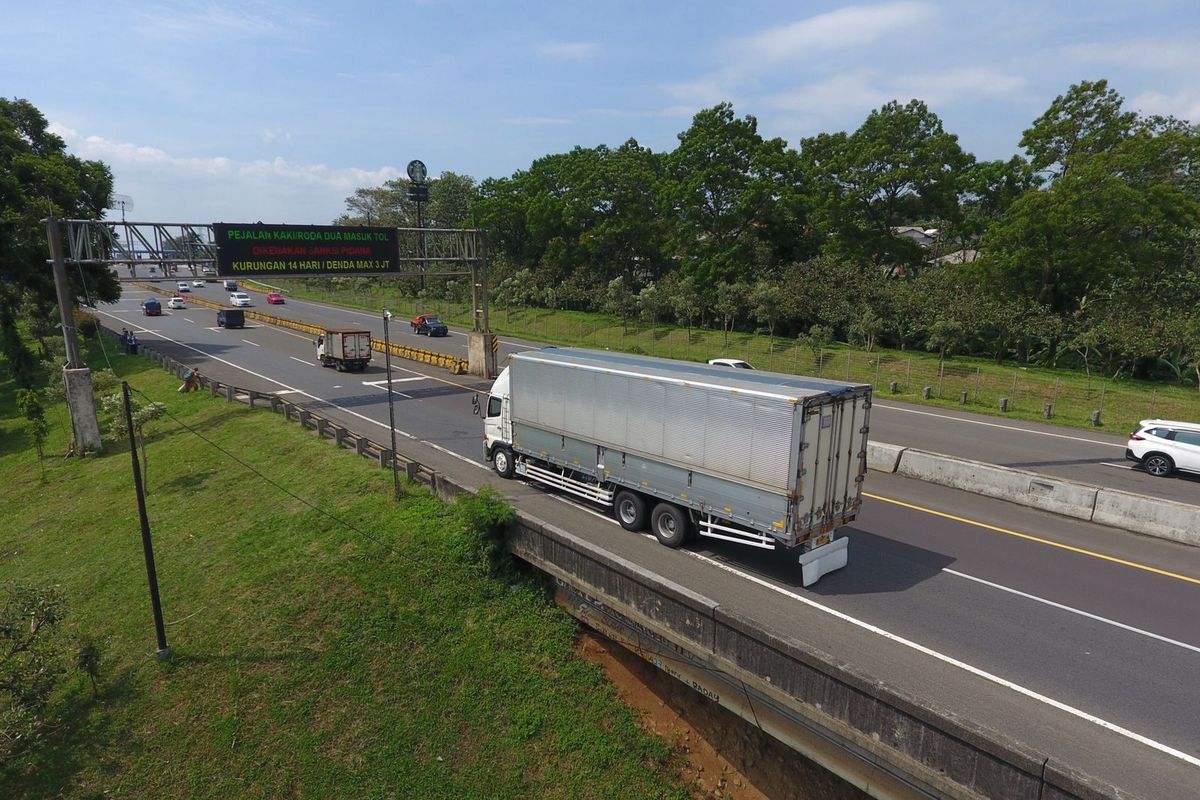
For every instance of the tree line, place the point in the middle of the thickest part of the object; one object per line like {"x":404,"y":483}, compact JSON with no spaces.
{"x":1079,"y":251}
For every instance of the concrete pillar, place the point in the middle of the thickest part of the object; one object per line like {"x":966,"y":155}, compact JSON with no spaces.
{"x":81,"y":400}
{"x":481,"y":353}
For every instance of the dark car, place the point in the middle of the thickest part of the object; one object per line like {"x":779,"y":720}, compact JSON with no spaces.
{"x":231,"y":318}
{"x":151,"y":307}
{"x":430,"y":325}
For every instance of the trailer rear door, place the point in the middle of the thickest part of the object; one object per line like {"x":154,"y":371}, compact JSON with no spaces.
{"x":832,"y":459}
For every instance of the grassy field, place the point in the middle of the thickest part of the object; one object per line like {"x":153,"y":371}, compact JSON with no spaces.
{"x":327,"y":641}
{"x":967,"y":383}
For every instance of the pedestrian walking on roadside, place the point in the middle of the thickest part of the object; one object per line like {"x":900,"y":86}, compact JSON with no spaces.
{"x":125,"y":340}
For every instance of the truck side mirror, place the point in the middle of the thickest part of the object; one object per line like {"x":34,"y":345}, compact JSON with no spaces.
{"x":475,"y":404}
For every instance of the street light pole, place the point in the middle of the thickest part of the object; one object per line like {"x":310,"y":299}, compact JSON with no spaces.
{"x":387,"y":357}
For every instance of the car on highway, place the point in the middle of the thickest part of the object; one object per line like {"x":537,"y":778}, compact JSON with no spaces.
{"x":430,"y":325}
{"x":183,"y":286}
{"x":151,"y":307}
{"x":239,"y":299}
{"x":275,"y":298}
{"x":198,"y":283}
{"x":1163,"y":446}
{"x":736,"y":363}
{"x":176,"y":302}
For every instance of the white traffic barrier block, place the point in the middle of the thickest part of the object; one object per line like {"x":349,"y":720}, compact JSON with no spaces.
{"x":1149,"y":515}
{"x":883,"y":457}
{"x":1014,"y":485}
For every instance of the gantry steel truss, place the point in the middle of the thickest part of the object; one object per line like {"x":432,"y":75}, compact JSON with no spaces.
{"x":144,"y":250}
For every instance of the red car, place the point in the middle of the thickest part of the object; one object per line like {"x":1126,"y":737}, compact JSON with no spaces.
{"x":275,"y":298}
{"x":430,"y":325}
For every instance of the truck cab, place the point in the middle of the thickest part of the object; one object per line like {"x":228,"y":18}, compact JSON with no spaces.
{"x":497,"y":428}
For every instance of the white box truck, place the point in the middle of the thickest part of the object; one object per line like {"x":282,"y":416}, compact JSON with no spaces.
{"x":765,"y":459}
{"x":344,"y":349}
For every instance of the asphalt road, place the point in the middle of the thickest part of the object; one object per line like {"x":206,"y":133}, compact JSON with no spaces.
{"x":1078,"y":640}
{"x":1080,"y":455}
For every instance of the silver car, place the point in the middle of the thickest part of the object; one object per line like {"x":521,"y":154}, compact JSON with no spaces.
{"x":1162,"y":446}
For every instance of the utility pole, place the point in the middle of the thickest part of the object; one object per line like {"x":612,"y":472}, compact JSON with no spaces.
{"x":164,"y":652}
{"x":387,"y":357}
{"x":77,"y":378}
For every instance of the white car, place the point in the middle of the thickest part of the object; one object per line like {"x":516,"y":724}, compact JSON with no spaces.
{"x":1162,"y":446}
{"x":239,"y":299}
{"x":182,"y":286}
{"x":736,"y":363}
{"x":199,"y":284}
{"x":176,"y":302}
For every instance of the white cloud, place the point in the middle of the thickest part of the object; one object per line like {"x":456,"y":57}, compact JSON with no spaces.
{"x":272,"y":137}
{"x":865,"y":90}
{"x":536,"y":121}
{"x":211,"y":19}
{"x":1183,"y":105}
{"x":844,"y":29}
{"x":573,"y":51}
{"x":165,"y":185}
{"x":1142,"y":54}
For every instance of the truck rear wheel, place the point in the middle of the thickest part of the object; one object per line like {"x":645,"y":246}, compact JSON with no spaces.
{"x":502,"y":462}
{"x":669,"y":524}
{"x":630,"y":510}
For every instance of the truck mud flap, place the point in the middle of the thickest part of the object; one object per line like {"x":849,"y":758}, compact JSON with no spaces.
{"x":823,"y":560}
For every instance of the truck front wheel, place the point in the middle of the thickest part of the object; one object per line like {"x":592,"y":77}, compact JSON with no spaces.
{"x":630,"y":510}
{"x":502,"y":462}
{"x":669,"y":524}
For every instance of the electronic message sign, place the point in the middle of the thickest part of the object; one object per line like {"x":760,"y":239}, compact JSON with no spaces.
{"x":258,"y":249}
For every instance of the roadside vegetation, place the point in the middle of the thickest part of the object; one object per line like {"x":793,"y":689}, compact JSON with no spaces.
{"x":326,"y":641}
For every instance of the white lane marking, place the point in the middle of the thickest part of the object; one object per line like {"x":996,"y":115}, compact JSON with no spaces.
{"x":247,"y":341}
{"x":1118,"y":466}
{"x":997,"y":425}
{"x":395,"y":380}
{"x":285,"y":391}
{"x":343,"y":409}
{"x":301,"y":360}
{"x":191,"y":321}
{"x":1061,"y":607}
{"x":920,"y":648}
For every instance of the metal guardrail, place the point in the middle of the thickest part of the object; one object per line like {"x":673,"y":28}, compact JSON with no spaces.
{"x":455,"y":364}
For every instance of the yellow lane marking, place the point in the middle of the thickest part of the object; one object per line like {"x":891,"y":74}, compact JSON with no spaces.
{"x":1038,"y":539}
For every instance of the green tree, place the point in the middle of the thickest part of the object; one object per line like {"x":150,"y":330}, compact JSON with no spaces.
{"x":39,"y":179}
{"x":30,"y":404}
{"x":620,"y":301}
{"x":142,"y":413}
{"x":1087,"y":120}
{"x":652,"y":302}
{"x":899,"y":166}
{"x":733,"y":300}
{"x":728,"y":190}
{"x":33,"y":661}
{"x":766,"y":304}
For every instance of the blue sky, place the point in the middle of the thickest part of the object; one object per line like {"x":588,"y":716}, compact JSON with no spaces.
{"x":276,"y":111}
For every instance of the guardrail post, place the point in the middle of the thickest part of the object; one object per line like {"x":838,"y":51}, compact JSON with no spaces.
{"x":275,"y":402}
{"x":962,"y":398}
{"x":321,"y":423}
{"x":385,"y":457}
{"x":339,"y":436}
{"x":411,"y":468}
{"x":360,"y":445}
{"x":229,"y":393}
{"x":302,"y":416}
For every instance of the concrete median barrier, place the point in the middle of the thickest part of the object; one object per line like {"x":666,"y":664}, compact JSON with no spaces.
{"x":1014,"y":485}
{"x":1149,"y":515}
{"x":883,"y":457}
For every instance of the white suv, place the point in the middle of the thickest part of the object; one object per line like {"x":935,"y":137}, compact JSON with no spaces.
{"x":239,"y":299}
{"x":1162,"y":446}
